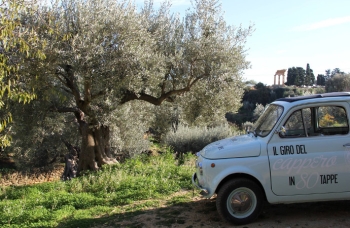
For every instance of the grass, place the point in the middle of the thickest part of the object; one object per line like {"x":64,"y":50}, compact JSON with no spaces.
{"x":96,"y":197}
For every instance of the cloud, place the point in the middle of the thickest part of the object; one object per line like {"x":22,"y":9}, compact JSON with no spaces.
{"x":322,"y":24}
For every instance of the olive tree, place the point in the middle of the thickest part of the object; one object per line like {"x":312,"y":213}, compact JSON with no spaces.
{"x":338,"y":83}
{"x":106,"y":54}
{"x":19,"y":45}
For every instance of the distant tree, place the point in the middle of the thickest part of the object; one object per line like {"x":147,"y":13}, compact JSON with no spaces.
{"x":260,"y":95}
{"x":300,"y":76}
{"x":309,"y":76}
{"x":336,"y":71}
{"x":279,"y":92}
{"x":327,"y":74}
{"x":291,"y":75}
{"x":321,"y":80}
{"x":250,"y":83}
{"x":331,"y":73}
{"x":260,"y":86}
{"x":338,"y":83}
{"x":296,"y":76}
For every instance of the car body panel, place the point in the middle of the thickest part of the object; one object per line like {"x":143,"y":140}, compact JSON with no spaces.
{"x":290,"y":170}
{"x":234,"y":147}
{"x":311,"y":164}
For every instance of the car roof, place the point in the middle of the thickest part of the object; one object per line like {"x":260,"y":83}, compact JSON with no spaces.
{"x":315,"y":96}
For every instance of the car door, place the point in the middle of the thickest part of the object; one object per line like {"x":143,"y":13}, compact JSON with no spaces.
{"x":311,"y":152}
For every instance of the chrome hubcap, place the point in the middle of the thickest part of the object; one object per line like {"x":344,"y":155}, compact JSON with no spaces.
{"x":241,"y":202}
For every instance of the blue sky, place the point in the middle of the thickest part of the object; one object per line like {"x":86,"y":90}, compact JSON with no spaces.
{"x":289,"y":34}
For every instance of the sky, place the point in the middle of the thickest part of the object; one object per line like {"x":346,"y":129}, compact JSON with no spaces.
{"x":289,"y":34}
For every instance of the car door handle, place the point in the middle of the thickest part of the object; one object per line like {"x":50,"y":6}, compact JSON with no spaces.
{"x":346,"y":145}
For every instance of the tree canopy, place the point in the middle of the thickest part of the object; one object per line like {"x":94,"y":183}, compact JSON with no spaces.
{"x":102,"y":55}
{"x":299,"y":76}
{"x":321,"y":80}
{"x":338,"y":83}
{"x":309,"y":76}
{"x":19,"y":45}
{"x":329,"y":74}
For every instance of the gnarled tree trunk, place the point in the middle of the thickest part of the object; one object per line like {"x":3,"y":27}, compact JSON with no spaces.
{"x":95,"y":147}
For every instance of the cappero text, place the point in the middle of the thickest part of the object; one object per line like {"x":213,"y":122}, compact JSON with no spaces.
{"x":297,"y":165}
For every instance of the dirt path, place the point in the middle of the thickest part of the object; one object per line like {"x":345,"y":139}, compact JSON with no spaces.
{"x":202,"y":213}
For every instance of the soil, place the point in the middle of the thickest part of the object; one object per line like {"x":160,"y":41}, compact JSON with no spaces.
{"x":11,"y":177}
{"x":202,"y":213}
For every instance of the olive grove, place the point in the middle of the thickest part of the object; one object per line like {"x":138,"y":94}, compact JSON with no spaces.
{"x":109,"y":64}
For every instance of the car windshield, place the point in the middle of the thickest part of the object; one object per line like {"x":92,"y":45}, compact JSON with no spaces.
{"x":267,"y":120}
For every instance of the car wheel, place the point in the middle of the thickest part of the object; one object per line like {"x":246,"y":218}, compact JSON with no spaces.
{"x":239,"y":201}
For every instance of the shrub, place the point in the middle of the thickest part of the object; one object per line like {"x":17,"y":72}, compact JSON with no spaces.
{"x":247,"y":126}
{"x":258,"y":111}
{"x":193,"y":139}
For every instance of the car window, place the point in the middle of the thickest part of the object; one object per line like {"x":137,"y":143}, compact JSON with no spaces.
{"x":332,"y":120}
{"x":294,"y":127}
{"x":267,"y":120}
{"x":316,"y":121}
{"x":332,"y":117}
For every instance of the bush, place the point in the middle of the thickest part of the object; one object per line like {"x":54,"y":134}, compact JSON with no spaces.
{"x":247,"y":126}
{"x":258,"y":111}
{"x":193,"y":139}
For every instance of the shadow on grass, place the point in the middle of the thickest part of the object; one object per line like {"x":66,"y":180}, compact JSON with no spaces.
{"x":175,"y":214}
{"x":202,"y":213}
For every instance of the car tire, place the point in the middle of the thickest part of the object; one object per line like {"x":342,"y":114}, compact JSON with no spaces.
{"x":239,"y":201}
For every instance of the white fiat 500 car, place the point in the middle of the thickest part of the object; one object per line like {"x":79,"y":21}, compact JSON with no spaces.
{"x":297,"y":151}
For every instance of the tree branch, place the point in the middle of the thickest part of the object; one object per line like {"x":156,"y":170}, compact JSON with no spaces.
{"x":58,"y":74}
{"x":69,"y":81}
{"x":129,"y":95}
{"x":77,"y":112}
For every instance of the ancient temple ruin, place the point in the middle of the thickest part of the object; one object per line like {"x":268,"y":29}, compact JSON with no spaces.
{"x":279,"y":74}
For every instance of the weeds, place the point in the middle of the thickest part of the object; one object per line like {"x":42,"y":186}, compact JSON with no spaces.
{"x":95,"y":194}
